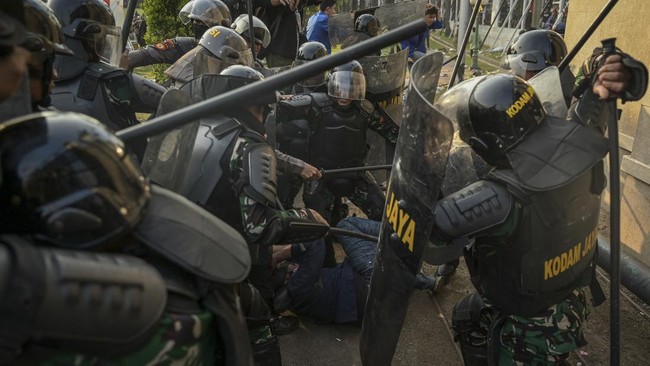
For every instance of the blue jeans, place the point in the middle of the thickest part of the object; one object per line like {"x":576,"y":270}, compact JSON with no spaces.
{"x":361,"y":252}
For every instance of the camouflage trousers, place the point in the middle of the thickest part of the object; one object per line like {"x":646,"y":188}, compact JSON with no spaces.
{"x":181,"y":339}
{"x":542,"y":340}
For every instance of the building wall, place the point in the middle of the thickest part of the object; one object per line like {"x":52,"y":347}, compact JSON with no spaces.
{"x":628,"y":22}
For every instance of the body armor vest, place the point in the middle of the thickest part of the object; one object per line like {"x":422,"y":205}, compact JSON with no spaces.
{"x":550,"y":254}
{"x":338,"y":137}
{"x":101,"y":91}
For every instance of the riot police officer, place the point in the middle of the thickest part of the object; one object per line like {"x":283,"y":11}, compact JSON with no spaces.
{"x":329,"y":131}
{"x":203,"y":14}
{"x":13,"y":58}
{"x":86,"y":82}
{"x":365,"y":27}
{"x":231,"y":171}
{"x":84,"y":193}
{"x":219,"y":48}
{"x":260,"y":33}
{"x":535,"y":50}
{"x":530,"y":259}
{"x":44,"y":41}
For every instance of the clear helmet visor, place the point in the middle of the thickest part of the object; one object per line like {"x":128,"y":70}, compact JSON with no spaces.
{"x":347,"y":85}
{"x":524,"y":65}
{"x":108,"y":45}
{"x":260,"y":31}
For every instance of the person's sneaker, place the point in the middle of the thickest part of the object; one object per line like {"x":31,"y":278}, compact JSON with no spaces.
{"x":284,"y":324}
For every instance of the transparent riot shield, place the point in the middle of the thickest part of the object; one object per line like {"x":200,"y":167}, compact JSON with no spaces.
{"x":394,"y":15}
{"x":385,"y":78}
{"x":166,"y":154}
{"x":548,"y":86}
{"x":340,"y":26}
{"x":415,"y":181}
{"x":177,"y":159}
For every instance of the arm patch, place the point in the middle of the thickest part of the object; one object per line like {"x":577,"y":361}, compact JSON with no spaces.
{"x":260,"y":169}
{"x":475,"y":208}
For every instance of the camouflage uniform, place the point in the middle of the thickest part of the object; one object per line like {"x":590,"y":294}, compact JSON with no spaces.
{"x":165,"y":52}
{"x":181,"y":339}
{"x":540,"y":340}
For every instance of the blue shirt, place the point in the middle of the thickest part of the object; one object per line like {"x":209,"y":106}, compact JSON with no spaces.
{"x":318,"y":31}
{"x":416,"y":43}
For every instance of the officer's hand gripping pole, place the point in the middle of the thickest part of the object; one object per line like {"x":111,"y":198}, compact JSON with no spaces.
{"x":609,"y":48}
{"x":592,"y":28}
{"x":240,"y":96}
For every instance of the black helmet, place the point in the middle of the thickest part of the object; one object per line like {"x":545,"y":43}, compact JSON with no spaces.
{"x":226,"y":45}
{"x":205,"y":14}
{"x":12,"y":33}
{"x":45,"y":39}
{"x":260,"y":31}
{"x":347,"y":82}
{"x":493,"y":113}
{"x":310,"y":51}
{"x":238,"y":76}
{"x":90,"y":22}
{"x":534,"y":51}
{"x":368,"y":24}
{"x":68,"y":180}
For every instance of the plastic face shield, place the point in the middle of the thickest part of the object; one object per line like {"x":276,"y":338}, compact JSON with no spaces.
{"x":347,"y":85}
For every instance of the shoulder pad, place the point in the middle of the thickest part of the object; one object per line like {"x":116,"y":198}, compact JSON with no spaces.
{"x":193,"y":239}
{"x":477,"y":207}
{"x":322,"y":100}
{"x":149,"y":93}
{"x":260,"y":167}
{"x":295,"y":107}
{"x":366,"y":106}
{"x":297,"y":101}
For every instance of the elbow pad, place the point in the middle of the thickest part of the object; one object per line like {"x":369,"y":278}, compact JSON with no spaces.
{"x":120,"y":299}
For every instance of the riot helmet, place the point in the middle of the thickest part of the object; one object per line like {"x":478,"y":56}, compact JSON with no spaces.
{"x":226,"y":45}
{"x":238,"y":76}
{"x":68,"y":180}
{"x":311,"y":51}
{"x":45,"y":39}
{"x":260,"y":31}
{"x":205,"y":14}
{"x":347,"y":82}
{"x":368,"y":24}
{"x":91,"y":24}
{"x":533,"y":51}
{"x":493,"y":114}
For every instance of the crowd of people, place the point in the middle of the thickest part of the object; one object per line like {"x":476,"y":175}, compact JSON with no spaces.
{"x":189,"y":247}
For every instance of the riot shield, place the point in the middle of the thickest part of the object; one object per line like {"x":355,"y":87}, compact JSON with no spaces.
{"x":175,"y":160}
{"x":340,"y":26}
{"x":421,"y":155}
{"x":385,"y":77}
{"x":548,"y":86}
{"x":166,"y":154}
{"x":394,"y":15}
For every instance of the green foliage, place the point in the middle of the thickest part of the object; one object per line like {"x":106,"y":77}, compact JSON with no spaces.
{"x":163,"y":23}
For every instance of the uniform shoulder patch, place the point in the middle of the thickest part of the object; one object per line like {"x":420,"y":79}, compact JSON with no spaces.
{"x":165,"y":45}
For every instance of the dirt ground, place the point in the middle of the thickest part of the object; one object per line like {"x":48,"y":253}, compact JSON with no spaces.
{"x":427,"y":339}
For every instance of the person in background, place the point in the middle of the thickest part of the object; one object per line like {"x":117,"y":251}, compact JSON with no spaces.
{"x":417,"y":44}
{"x":317,"y":29}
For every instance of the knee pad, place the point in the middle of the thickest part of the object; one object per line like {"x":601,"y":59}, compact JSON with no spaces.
{"x":252,"y":303}
{"x":468,"y":331}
